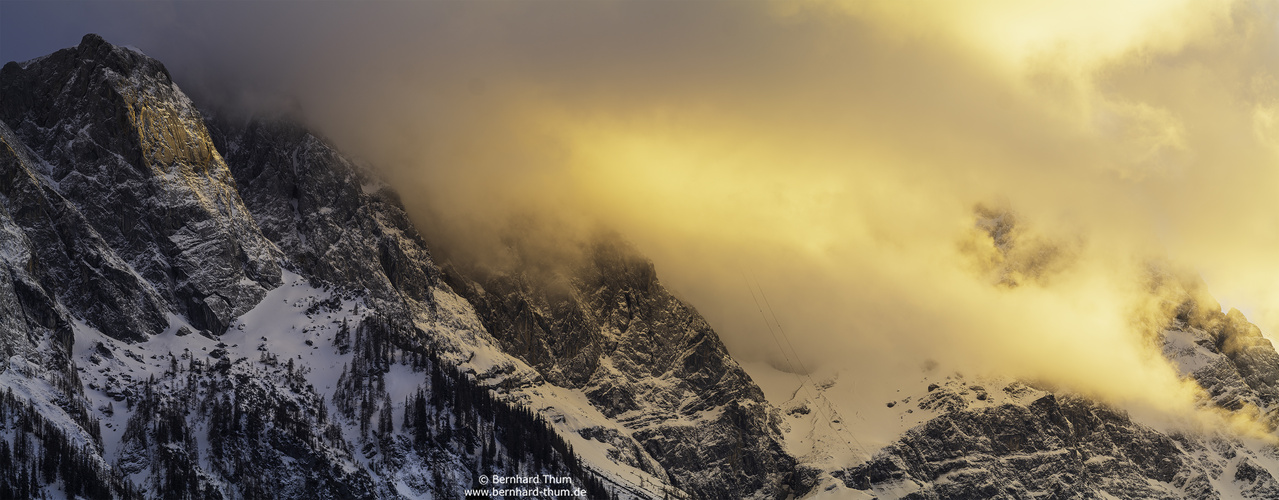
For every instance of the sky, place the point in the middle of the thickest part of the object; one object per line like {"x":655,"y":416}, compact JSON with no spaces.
{"x":815,"y":165}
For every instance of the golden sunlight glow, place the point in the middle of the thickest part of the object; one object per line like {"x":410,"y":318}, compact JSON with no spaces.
{"x":1074,"y":35}
{"x":837,"y":153}
{"x":714,"y":187}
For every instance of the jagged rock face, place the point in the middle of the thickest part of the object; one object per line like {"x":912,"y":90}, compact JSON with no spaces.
{"x":1067,"y":447}
{"x":1033,"y":443}
{"x":1058,"y":446}
{"x":606,"y":325}
{"x":16,"y":251}
{"x":1230,"y":360}
{"x":62,"y":256}
{"x":209,"y":304}
{"x":1226,"y":355}
{"x":117,"y":140}
{"x":35,"y":330}
{"x":37,"y":273}
{"x":328,"y":216}
{"x":29,"y":308}
{"x":1253,"y":355}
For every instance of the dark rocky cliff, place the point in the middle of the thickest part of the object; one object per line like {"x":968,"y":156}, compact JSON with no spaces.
{"x":132,"y":161}
{"x":204,"y":307}
{"x":600,"y":321}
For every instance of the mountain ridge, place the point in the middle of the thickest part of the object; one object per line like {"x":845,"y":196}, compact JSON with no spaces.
{"x":205,"y":291}
{"x":204,"y":308}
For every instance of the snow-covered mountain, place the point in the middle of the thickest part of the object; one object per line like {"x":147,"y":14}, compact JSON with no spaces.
{"x":200,"y":306}
{"x":599,"y":321}
{"x":944,"y":435}
{"x":971,"y":437}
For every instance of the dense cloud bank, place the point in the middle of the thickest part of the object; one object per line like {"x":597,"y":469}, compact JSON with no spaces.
{"x":850,"y":164}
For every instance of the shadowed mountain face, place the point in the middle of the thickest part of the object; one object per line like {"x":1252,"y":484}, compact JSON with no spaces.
{"x":597,"y":319}
{"x":603,"y":325}
{"x":198,"y":307}
{"x":331,"y":219}
{"x":140,"y":192}
{"x":201,"y":307}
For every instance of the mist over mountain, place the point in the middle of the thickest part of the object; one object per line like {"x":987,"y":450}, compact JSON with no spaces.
{"x":829,"y":153}
{"x":212,"y":308}
{"x":702,"y":250}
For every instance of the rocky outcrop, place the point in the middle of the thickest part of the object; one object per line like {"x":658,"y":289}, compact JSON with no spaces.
{"x":1024,"y":442}
{"x":330,"y":217}
{"x":211,"y":308}
{"x":1030,"y":443}
{"x":641,"y":356}
{"x":596,"y":318}
{"x":1253,"y":356}
{"x":117,"y":145}
{"x":1066,"y":447}
{"x":1237,"y":367}
{"x":64,"y":259}
{"x":127,"y":256}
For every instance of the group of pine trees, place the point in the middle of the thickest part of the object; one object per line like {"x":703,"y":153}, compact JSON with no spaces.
{"x":517,"y":441}
{"x":255,"y":416}
{"x":449,"y":412}
{"x":450,"y":421}
{"x":42,"y":458}
{"x":37,"y":456}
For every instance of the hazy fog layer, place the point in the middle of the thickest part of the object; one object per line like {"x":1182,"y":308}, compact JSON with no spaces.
{"x":831,"y":153}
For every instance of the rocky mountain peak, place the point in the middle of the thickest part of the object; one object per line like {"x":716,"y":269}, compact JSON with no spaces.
{"x":123,"y":60}
{"x":335,"y":359}
{"x":597,"y":319}
{"x":120,"y":153}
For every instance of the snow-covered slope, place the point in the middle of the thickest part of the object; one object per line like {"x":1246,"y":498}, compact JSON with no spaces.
{"x":943,"y":435}
{"x":212,"y":308}
{"x":344,"y":227}
{"x":173,"y":330}
{"x":597,"y":320}
{"x":950,"y":436}
{"x":198,"y":307}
